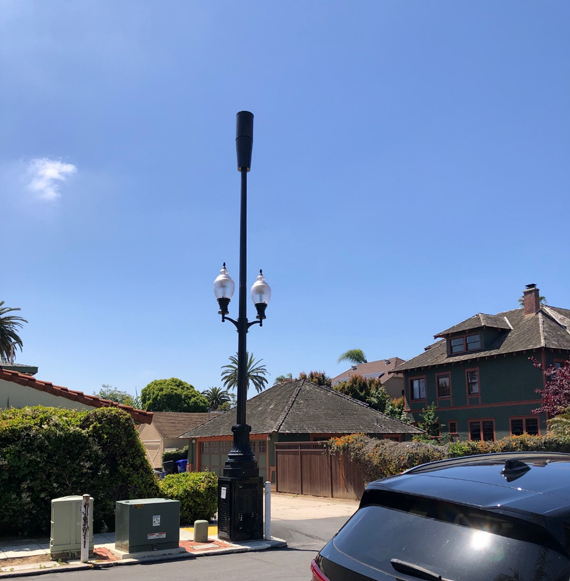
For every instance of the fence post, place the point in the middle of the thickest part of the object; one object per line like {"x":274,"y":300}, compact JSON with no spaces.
{"x":268,"y":511}
{"x":85,"y":508}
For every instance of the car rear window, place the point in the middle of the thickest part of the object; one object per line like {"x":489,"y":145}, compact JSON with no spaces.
{"x":453,"y":541}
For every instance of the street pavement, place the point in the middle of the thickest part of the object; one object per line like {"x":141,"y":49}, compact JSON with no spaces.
{"x":300,"y":526}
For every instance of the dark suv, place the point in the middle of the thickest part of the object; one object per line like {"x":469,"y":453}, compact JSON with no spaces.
{"x":495,"y":517}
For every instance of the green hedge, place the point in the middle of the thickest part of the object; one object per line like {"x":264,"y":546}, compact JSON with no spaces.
{"x":180,"y":454}
{"x":47,"y":453}
{"x":381,"y":458}
{"x":197,"y":493}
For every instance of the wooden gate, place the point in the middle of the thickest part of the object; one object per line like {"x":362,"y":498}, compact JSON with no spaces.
{"x":308,"y":468}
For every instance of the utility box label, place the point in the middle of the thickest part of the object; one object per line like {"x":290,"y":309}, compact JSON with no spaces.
{"x":223,"y":492}
{"x":153,"y":536}
{"x":155,"y":520}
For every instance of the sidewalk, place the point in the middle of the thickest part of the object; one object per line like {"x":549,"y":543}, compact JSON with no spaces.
{"x":19,"y":558}
{"x":32,"y":557}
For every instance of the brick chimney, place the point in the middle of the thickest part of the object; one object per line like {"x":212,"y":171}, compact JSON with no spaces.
{"x":531,"y":300}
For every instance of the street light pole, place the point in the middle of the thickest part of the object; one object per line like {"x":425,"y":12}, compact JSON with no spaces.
{"x":240,"y":489}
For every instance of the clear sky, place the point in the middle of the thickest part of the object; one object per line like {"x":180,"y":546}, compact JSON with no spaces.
{"x":410,"y":169}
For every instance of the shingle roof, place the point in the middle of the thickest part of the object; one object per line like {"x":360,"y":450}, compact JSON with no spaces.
{"x":371,"y":369}
{"x":300,"y":407}
{"x":477,"y":322}
{"x":548,"y":328}
{"x":139,"y":416}
{"x":172,"y":424}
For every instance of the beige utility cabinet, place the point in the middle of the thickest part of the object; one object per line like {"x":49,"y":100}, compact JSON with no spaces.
{"x":65,"y":538}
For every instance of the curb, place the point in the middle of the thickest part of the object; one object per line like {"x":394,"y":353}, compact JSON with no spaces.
{"x":35,"y":569}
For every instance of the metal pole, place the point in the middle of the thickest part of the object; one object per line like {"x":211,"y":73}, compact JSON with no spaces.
{"x":85,"y":508}
{"x":267,"y":511}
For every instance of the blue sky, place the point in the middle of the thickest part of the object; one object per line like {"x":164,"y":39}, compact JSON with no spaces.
{"x":410,"y":169}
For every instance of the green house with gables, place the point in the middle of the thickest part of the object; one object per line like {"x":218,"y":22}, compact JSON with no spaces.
{"x":479,"y":373}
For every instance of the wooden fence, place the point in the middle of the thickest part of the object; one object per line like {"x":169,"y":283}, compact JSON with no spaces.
{"x":308,"y":468}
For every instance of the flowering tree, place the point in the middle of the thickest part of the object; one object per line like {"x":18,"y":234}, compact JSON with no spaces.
{"x":556,"y":392}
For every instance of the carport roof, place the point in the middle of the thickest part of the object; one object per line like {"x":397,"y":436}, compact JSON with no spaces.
{"x":301,"y":407}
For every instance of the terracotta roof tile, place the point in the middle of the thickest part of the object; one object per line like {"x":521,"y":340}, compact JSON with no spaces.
{"x":139,"y":416}
{"x":370,"y":369}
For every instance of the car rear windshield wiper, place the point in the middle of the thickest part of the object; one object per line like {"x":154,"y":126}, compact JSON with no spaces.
{"x":416,"y":571}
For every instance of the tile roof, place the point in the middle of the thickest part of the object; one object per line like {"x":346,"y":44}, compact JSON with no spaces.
{"x":548,"y":328}
{"x":371,"y":369}
{"x":301,"y":407}
{"x":172,"y":424}
{"x":139,"y":416}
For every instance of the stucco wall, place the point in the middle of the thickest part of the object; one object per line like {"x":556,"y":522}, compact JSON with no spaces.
{"x":19,"y":396}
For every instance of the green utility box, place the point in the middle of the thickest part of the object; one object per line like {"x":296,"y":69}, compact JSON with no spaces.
{"x":65,"y":538}
{"x":147,"y":524}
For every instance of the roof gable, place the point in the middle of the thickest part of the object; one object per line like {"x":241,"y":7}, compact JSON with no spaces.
{"x":139,"y":416}
{"x":545,"y":329}
{"x":477,"y":321}
{"x":299,"y":407}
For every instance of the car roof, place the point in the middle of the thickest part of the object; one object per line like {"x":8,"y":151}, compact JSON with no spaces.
{"x":530,"y":482}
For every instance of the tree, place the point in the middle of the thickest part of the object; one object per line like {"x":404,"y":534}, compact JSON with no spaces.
{"x":217,"y":397}
{"x":556,"y":393}
{"x":430,"y":422}
{"x":283,"y":378}
{"x":255,"y":373}
{"x":113,"y":394}
{"x":172,"y":395}
{"x":317,"y":377}
{"x":355,"y":356}
{"x":9,"y":338}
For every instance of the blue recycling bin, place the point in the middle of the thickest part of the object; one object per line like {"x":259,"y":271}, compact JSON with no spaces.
{"x":181,"y":465}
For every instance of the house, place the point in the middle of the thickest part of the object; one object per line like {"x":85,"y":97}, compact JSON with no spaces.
{"x":18,"y":390}
{"x":479,"y":374}
{"x":162,"y":434}
{"x":293,"y":411}
{"x":382,"y":370}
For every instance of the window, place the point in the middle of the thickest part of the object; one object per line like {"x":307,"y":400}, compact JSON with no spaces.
{"x":473,"y":382}
{"x":463,"y":344}
{"x":473,"y":342}
{"x":457,"y":345}
{"x":444,"y":385}
{"x":205,"y":447}
{"x":520,"y":426}
{"x":482,"y":430}
{"x":418,"y":388}
{"x":452,"y":427}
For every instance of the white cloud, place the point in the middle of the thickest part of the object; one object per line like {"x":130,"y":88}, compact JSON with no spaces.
{"x":46,"y":174}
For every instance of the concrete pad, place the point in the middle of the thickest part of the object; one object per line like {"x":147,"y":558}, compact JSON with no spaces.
{"x":145,"y":554}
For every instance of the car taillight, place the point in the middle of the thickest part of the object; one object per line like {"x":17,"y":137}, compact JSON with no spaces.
{"x":318,"y":575}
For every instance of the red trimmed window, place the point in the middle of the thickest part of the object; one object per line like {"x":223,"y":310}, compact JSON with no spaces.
{"x":473,"y":382}
{"x":418,"y":388}
{"x":520,"y":426}
{"x":482,"y":430}
{"x":465,"y":344}
{"x":443,"y":385}
{"x":452,"y":427}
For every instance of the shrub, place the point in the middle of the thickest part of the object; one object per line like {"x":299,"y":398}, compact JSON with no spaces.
{"x":47,"y":453}
{"x":180,"y":454}
{"x":524,"y":443}
{"x":381,"y":458}
{"x":196,"y":491}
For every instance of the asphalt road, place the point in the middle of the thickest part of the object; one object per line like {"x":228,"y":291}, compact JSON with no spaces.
{"x":304,"y":538}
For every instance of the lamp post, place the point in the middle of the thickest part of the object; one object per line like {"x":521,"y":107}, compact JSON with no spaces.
{"x":240,"y":489}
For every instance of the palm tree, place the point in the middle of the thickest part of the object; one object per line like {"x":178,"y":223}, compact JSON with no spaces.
{"x":255,"y":373}
{"x":9,"y":338}
{"x":355,"y":356}
{"x":283,"y":378}
{"x":216,"y":397}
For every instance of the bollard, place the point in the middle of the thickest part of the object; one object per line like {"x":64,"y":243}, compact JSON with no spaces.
{"x":267,"y":511}
{"x":201,"y":531}
{"x":85,"y":508}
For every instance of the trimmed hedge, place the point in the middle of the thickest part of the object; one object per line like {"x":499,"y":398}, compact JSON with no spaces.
{"x":196,"y":491}
{"x":47,"y":453}
{"x":381,"y":458}
{"x":180,"y":454}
